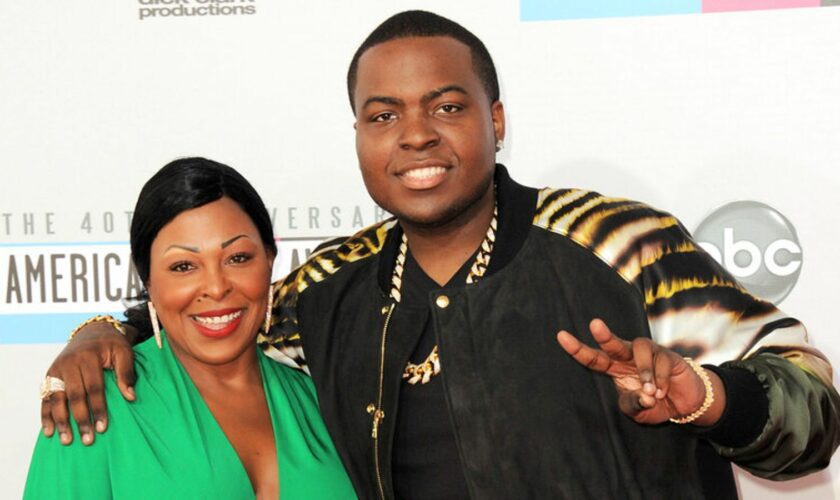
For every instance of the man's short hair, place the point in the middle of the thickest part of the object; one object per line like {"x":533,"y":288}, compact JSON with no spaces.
{"x":418,"y":23}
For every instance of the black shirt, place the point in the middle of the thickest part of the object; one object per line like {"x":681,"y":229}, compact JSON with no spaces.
{"x":426,"y":463}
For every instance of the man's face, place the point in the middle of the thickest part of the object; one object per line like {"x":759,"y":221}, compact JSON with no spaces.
{"x":425,"y":129}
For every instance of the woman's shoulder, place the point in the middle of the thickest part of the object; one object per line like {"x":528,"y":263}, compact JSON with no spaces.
{"x":145,"y":360}
{"x":152,"y":383}
{"x":295,"y":384}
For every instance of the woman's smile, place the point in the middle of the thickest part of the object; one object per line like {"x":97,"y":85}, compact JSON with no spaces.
{"x":219,"y":323}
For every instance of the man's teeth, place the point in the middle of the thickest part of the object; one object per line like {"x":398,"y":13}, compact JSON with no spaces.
{"x":218,"y":320}
{"x":424,"y":173}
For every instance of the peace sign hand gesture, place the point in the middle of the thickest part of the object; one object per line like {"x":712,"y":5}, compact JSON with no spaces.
{"x":654,"y":384}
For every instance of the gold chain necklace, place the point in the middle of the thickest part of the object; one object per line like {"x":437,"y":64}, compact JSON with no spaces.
{"x":423,"y":372}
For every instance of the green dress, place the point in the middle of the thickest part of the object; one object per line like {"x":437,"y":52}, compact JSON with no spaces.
{"x":167,"y":444}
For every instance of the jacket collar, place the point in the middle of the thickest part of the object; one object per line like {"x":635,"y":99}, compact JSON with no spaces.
{"x":517,"y":204}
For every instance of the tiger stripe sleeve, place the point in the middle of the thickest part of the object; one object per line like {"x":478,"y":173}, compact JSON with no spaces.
{"x":282,"y":342}
{"x":696,"y":308}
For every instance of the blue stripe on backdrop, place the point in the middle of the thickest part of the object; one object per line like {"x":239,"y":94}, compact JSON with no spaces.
{"x":41,"y":328}
{"x":544,"y":10}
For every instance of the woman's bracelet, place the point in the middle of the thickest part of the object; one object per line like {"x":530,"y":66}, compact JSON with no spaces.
{"x":710,"y":394}
{"x":99,"y":317}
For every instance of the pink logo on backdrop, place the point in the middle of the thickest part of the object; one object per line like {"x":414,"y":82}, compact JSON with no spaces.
{"x":733,"y":5}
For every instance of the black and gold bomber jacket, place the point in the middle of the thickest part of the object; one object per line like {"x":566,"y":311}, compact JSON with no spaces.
{"x":529,"y":421}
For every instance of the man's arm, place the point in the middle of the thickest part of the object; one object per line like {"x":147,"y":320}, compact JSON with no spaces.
{"x":782,"y":416}
{"x":801,"y":430}
{"x":95,"y":347}
{"x":771,"y":417}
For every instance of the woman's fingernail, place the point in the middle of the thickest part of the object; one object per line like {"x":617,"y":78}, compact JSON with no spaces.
{"x":649,"y":388}
{"x":65,"y":437}
{"x":100,"y":426}
{"x":87,"y":437}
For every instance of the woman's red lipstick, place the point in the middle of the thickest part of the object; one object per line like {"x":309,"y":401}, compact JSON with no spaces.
{"x":219,"y":323}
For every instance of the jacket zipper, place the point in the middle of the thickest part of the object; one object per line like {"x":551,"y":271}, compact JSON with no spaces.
{"x":375,"y":410}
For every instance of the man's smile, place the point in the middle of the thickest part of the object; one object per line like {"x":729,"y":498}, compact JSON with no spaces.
{"x":424,"y":174}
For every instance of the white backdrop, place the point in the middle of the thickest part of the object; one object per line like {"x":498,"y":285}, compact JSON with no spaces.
{"x":686,"y":112}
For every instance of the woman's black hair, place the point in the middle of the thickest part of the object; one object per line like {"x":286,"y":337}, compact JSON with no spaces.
{"x":182,"y":185}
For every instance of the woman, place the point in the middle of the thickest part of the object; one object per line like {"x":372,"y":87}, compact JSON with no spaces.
{"x":213,"y":417}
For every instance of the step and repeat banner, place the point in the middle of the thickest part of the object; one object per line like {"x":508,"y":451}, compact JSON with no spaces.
{"x":723,"y":112}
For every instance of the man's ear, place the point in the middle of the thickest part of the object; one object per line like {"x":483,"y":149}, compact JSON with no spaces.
{"x":497,"y":113}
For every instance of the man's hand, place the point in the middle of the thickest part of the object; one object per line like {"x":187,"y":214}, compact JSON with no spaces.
{"x":97,"y":346}
{"x":654,"y":383}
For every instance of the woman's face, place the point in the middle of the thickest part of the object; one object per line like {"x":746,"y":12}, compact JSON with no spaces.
{"x":209,"y":277}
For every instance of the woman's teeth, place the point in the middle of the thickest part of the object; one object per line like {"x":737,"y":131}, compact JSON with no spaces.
{"x":217,"y":320}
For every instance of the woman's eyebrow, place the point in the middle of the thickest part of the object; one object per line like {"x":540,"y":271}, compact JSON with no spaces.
{"x":196,"y":249}
{"x":228,"y":242}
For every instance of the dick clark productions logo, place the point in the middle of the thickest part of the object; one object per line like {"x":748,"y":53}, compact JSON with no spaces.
{"x":755,"y":243}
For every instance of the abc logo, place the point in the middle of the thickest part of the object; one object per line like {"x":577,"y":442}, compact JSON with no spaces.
{"x":755,"y":243}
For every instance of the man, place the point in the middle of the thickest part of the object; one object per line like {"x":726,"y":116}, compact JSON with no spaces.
{"x":431,"y":337}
